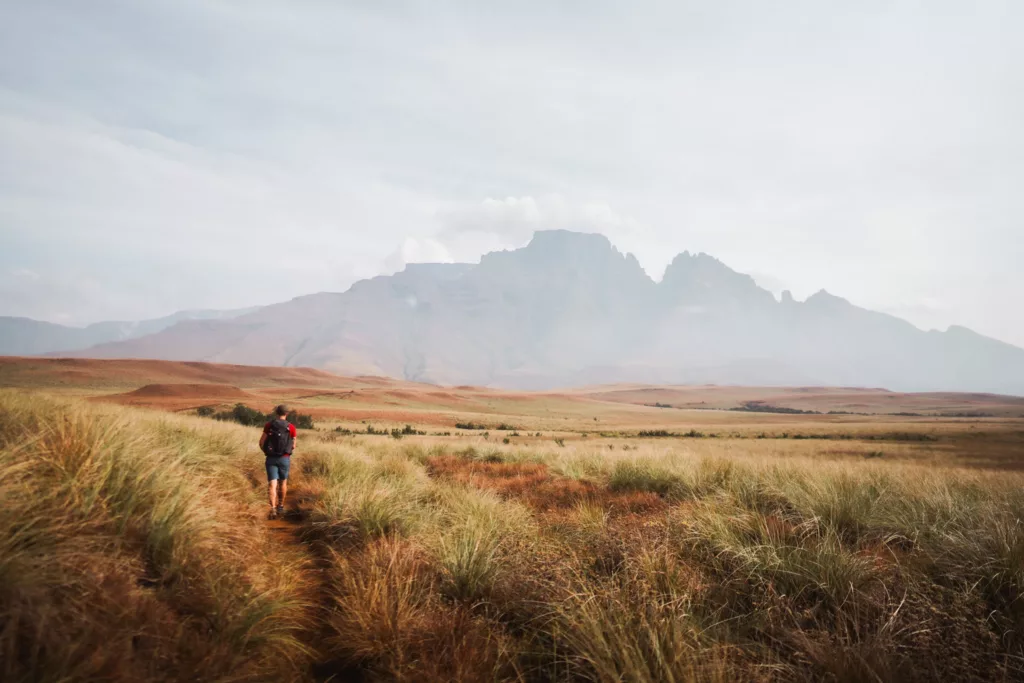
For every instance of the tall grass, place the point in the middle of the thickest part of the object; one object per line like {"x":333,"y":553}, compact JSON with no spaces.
{"x":756,"y":569}
{"x":475,"y":531}
{"x":367,"y":499}
{"x":129,"y":551}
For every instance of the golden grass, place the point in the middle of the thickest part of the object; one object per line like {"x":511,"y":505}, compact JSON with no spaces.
{"x":131,"y":548}
{"x":750,"y":567}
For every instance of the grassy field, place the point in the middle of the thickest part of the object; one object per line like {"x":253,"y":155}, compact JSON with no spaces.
{"x":134,"y":546}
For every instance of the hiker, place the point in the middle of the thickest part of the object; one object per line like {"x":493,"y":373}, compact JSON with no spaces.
{"x":278,"y":444}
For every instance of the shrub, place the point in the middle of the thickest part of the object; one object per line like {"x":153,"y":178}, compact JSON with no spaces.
{"x":300,"y":421}
{"x":408,"y":430}
{"x":243,"y":415}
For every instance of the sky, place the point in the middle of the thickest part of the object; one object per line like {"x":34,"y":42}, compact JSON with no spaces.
{"x":183,"y":154}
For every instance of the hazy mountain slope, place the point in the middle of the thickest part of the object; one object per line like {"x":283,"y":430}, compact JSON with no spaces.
{"x":26,"y":337}
{"x":570,"y":309}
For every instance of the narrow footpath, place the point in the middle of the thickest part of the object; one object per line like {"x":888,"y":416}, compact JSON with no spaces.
{"x":288,"y":530}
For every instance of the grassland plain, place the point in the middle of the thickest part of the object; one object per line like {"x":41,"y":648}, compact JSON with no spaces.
{"x":133,"y":547}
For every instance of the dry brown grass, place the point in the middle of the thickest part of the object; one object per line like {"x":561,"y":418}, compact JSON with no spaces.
{"x":390,"y":620}
{"x":132,"y":550}
{"x":129,"y":550}
{"x":729,"y":566}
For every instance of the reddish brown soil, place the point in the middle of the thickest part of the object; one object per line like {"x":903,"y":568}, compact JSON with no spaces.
{"x":822,"y":399}
{"x":42,"y":372}
{"x":222,"y":391}
{"x":82,"y":374}
{"x":181,"y":396}
{"x":534,"y":485}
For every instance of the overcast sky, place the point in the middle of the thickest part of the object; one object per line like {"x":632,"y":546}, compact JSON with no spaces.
{"x":173,"y":154}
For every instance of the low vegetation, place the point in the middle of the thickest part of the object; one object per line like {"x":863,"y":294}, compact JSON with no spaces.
{"x":132,"y":548}
{"x":762,"y":407}
{"x":250,"y":417}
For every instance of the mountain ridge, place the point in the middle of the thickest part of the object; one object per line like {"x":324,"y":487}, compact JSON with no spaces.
{"x":26,"y":336}
{"x":568,"y":309}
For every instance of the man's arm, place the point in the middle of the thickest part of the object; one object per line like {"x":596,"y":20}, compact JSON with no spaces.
{"x":294,"y":434}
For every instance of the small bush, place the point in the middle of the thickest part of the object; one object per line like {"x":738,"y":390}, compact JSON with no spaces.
{"x":408,"y":430}
{"x":300,"y":421}
{"x":243,"y":415}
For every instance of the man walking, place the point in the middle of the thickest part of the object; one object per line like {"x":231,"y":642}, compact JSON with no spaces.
{"x":278,"y":444}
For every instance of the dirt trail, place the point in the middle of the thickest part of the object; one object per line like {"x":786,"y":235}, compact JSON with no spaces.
{"x":288,"y":530}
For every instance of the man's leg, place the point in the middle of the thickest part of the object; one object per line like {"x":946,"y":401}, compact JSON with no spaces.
{"x":282,"y":471}
{"x":272,"y":490}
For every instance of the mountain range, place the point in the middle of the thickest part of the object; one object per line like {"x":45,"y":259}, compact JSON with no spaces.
{"x":570,"y":309}
{"x":27,"y":337}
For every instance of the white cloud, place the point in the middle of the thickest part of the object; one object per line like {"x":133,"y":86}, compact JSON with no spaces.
{"x":471,"y":229}
{"x":190,"y":154}
{"x":417,"y":250}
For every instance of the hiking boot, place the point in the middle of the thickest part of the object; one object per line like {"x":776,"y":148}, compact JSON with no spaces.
{"x":273,"y":514}
{"x":280,"y":510}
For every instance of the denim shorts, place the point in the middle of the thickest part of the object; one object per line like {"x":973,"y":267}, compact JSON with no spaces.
{"x":277,"y":468}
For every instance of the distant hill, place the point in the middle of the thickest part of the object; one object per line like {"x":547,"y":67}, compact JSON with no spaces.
{"x":570,"y":309}
{"x":185,"y":385}
{"x":27,"y":337}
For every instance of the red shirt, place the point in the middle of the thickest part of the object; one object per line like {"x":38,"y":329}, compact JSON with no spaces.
{"x":291,"y":433}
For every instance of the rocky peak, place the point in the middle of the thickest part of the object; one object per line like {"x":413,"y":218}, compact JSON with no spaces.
{"x":564,"y":254}
{"x":702,"y":279}
{"x":822,"y":300}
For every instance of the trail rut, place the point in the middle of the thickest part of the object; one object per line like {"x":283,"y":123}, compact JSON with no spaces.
{"x":288,"y":530}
